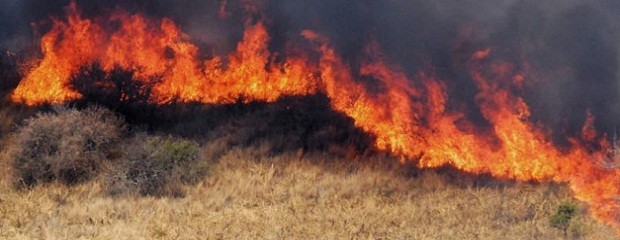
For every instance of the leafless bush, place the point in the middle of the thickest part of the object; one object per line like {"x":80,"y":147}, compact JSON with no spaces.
{"x":67,"y":145}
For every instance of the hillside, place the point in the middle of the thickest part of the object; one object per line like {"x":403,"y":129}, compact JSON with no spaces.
{"x":329,"y":119}
{"x":264,"y":189}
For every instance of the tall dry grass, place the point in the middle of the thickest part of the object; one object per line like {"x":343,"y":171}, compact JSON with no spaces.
{"x":249,"y":195}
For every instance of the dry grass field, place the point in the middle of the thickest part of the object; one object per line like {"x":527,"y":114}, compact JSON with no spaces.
{"x":324,"y":119}
{"x":250,"y":191}
{"x":247,"y":195}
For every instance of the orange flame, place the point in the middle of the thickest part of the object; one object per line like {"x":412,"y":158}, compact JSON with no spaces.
{"x":165,"y":51}
{"x":408,"y":117}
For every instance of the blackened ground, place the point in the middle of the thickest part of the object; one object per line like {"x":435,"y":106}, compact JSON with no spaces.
{"x":290,"y":124}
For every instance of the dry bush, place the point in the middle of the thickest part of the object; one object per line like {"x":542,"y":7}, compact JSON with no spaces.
{"x":118,"y":90}
{"x":12,"y":115}
{"x":158,"y":166}
{"x":66,"y":145}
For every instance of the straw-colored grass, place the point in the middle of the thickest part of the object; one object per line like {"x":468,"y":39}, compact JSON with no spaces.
{"x":247,"y":195}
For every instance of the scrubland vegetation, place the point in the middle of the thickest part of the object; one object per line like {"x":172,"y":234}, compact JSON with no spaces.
{"x":291,"y":169}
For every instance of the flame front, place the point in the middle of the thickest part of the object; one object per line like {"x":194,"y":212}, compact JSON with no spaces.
{"x":161,"y":50}
{"x":408,"y":117}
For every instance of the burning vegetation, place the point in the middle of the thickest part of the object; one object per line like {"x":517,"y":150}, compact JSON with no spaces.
{"x":129,"y":62}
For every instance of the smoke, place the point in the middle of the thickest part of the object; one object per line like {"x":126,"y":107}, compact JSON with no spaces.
{"x":569,"y":49}
{"x":23,"y":21}
{"x":13,"y":28}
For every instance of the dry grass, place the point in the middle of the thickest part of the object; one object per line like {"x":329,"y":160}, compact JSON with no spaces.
{"x":266,"y":191}
{"x":249,"y":196}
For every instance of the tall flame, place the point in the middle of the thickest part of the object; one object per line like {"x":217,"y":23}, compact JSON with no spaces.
{"x":408,"y":117}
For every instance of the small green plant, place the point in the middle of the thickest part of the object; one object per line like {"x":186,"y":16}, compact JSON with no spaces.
{"x":562,"y":218}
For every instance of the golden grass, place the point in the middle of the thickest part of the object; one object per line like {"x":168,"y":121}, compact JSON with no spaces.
{"x":249,"y":196}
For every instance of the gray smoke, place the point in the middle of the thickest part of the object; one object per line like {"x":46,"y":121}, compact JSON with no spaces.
{"x":13,"y":29}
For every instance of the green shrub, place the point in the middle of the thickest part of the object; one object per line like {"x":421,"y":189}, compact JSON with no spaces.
{"x":562,"y":218}
{"x":158,"y":166}
{"x":66,"y":145}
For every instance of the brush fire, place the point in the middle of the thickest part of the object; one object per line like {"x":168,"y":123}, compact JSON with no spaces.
{"x":481,"y":111}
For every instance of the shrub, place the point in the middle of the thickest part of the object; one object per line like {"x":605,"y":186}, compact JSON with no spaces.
{"x":66,"y":145}
{"x":561,"y":219}
{"x":158,"y":166}
{"x":118,"y":89}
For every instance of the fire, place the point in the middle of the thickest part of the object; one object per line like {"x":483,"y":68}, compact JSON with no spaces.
{"x":160,"y":50}
{"x":408,"y":116}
